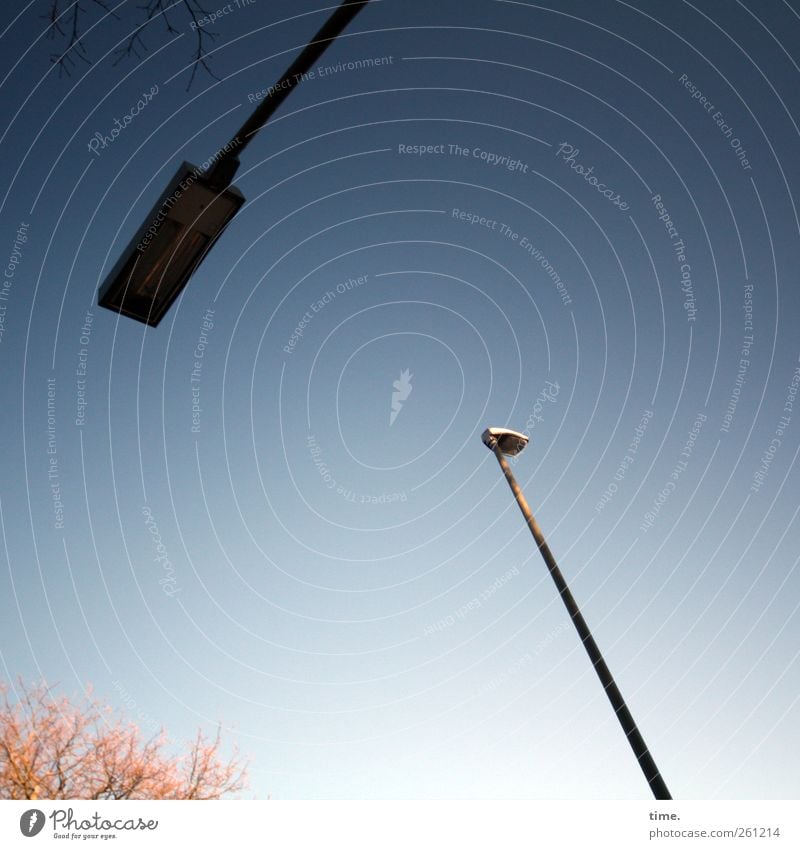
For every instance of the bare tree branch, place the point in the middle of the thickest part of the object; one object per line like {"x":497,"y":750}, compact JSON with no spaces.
{"x":66,"y":23}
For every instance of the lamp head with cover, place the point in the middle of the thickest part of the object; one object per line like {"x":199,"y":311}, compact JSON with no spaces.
{"x":187,"y":219}
{"x":510,"y":442}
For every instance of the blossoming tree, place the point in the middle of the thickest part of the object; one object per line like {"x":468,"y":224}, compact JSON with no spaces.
{"x":52,"y":748}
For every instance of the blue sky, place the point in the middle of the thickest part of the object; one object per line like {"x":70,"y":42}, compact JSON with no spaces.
{"x":596,"y":244}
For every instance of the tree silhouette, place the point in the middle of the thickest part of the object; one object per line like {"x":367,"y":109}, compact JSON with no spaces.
{"x":67,"y":21}
{"x":51,"y":748}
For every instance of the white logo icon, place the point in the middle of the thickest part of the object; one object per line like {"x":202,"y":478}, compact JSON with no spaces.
{"x":31,"y":822}
{"x":403,"y":389}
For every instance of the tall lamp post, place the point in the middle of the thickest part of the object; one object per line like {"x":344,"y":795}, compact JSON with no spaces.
{"x":197,"y":205}
{"x":504,"y":442}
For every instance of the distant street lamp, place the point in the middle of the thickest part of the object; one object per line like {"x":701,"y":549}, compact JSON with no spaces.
{"x":508,"y":442}
{"x":197,"y":205}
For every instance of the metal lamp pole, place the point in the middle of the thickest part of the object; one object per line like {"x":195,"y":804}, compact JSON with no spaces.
{"x":643,"y":756}
{"x":225,"y":167}
{"x":197,"y":205}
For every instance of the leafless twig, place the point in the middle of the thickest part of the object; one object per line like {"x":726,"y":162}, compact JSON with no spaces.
{"x":66,"y":21}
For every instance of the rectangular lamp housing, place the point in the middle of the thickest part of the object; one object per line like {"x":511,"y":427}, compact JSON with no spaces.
{"x":180,"y":229}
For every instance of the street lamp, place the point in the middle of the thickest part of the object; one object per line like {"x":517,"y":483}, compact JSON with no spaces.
{"x":197,"y":205}
{"x":187,"y":219}
{"x":508,"y":442}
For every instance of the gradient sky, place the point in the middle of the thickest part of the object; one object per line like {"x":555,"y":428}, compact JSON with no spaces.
{"x":356,"y":600}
